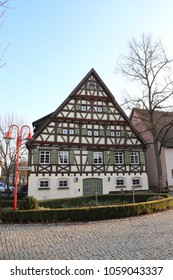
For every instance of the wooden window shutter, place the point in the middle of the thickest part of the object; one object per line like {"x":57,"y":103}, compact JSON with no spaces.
{"x":54,"y":157}
{"x":36,"y":157}
{"x":90,"y":157}
{"x":108,"y":133}
{"x":127,"y":157}
{"x":105,"y":109}
{"x":78,"y":107}
{"x":59,"y":130}
{"x":102,"y":133}
{"x":77,"y":131}
{"x":112,"y":157}
{"x":84,"y":131}
{"x":123,"y":133}
{"x":142,"y":157}
{"x":106,"y":157}
{"x":71,"y":157}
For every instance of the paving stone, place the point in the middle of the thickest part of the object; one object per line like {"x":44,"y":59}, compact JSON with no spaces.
{"x":143,"y":237}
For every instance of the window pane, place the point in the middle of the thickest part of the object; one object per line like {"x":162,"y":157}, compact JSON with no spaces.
{"x":134,"y":158}
{"x":65,"y":131}
{"x":89,"y":132}
{"x":71,"y":131}
{"x":83,"y":108}
{"x":63,"y":183}
{"x":97,"y":157}
{"x":136,"y":182}
{"x":96,"y":133}
{"x":99,"y":109}
{"x":63,"y":157}
{"x":44,"y":184}
{"x":119,"y":158}
{"x":44,"y":157}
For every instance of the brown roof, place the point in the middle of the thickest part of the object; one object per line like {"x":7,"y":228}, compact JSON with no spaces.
{"x":163,"y":124}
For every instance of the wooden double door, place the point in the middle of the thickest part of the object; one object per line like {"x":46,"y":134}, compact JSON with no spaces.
{"x":92,"y":186}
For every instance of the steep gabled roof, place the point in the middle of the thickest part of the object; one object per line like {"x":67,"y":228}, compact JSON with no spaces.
{"x":163,"y":122}
{"x":41,"y":123}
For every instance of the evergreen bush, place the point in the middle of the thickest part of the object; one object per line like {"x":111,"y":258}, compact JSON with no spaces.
{"x":28,"y":203}
{"x":86,"y":213}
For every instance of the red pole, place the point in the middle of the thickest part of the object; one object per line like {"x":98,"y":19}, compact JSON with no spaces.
{"x":18,"y":143}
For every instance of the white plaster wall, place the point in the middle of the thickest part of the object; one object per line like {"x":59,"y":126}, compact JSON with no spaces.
{"x":76,"y":188}
{"x":169,"y":165}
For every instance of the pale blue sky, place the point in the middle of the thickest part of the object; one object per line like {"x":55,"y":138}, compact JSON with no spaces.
{"x":53,"y":44}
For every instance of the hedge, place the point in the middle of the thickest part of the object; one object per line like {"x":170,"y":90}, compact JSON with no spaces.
{"x":86,"y":213}
{"x":76,"y":201}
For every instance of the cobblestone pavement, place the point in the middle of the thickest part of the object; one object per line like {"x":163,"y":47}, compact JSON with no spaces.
{"x":143,"y":237}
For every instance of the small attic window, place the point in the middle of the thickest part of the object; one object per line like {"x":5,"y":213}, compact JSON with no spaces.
{"x":92,"y":86}
{"x":83,"y":108}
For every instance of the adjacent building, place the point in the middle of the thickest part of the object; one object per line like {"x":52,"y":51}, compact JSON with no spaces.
{"x":163,"y":123}
{"x":86,"y":146}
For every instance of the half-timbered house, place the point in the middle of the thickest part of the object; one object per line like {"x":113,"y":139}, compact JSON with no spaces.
{"x":86,"y":146}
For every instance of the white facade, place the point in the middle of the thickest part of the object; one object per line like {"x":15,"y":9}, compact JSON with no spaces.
{"x":169,"y":165}
{"x":75,"y":185}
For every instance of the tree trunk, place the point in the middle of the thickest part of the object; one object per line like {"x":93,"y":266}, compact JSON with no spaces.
{"x":159,"y":167}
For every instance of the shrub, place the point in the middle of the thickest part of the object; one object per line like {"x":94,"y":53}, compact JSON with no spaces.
{"x":28,"y":203}
{"x":157,"y":197}
{"x":86,"y":200}
{"x":87,"y":213}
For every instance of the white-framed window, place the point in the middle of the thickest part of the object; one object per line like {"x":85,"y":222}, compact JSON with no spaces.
{"x":96,"y":133}
{"x":65,"y":131}
{"x":89,"y":132}
{"x":136,"y":182}
{"x":112,"y":133}
{"x":134,"y":158}
{"x":63,"y":157}
{"x":44,"y":157}
{"x":118,"y":134}
{"x":83,"y":108}
{"x":119,"y":158}
{"x":44,"y":184}
{"x":120,"y":183}
{"x":71,"y":131}
{"x":63,"y":184}
{"x":97,"y":157}
{"x":99,"y":109}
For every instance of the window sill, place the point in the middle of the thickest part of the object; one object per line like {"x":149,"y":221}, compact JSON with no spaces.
{"x":63,"y":188}
{"x":43,"y":188}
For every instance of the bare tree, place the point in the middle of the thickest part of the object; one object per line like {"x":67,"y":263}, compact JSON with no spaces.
{"x":8,"y":151}
{"x":3,"y":10}
{"x":149,"y":66}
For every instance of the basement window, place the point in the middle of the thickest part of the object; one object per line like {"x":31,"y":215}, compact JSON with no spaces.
{"x":44,"y":184}
{"x":120,"y":183}
{"x":136,"y":182}
{"x":63,"y":184}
